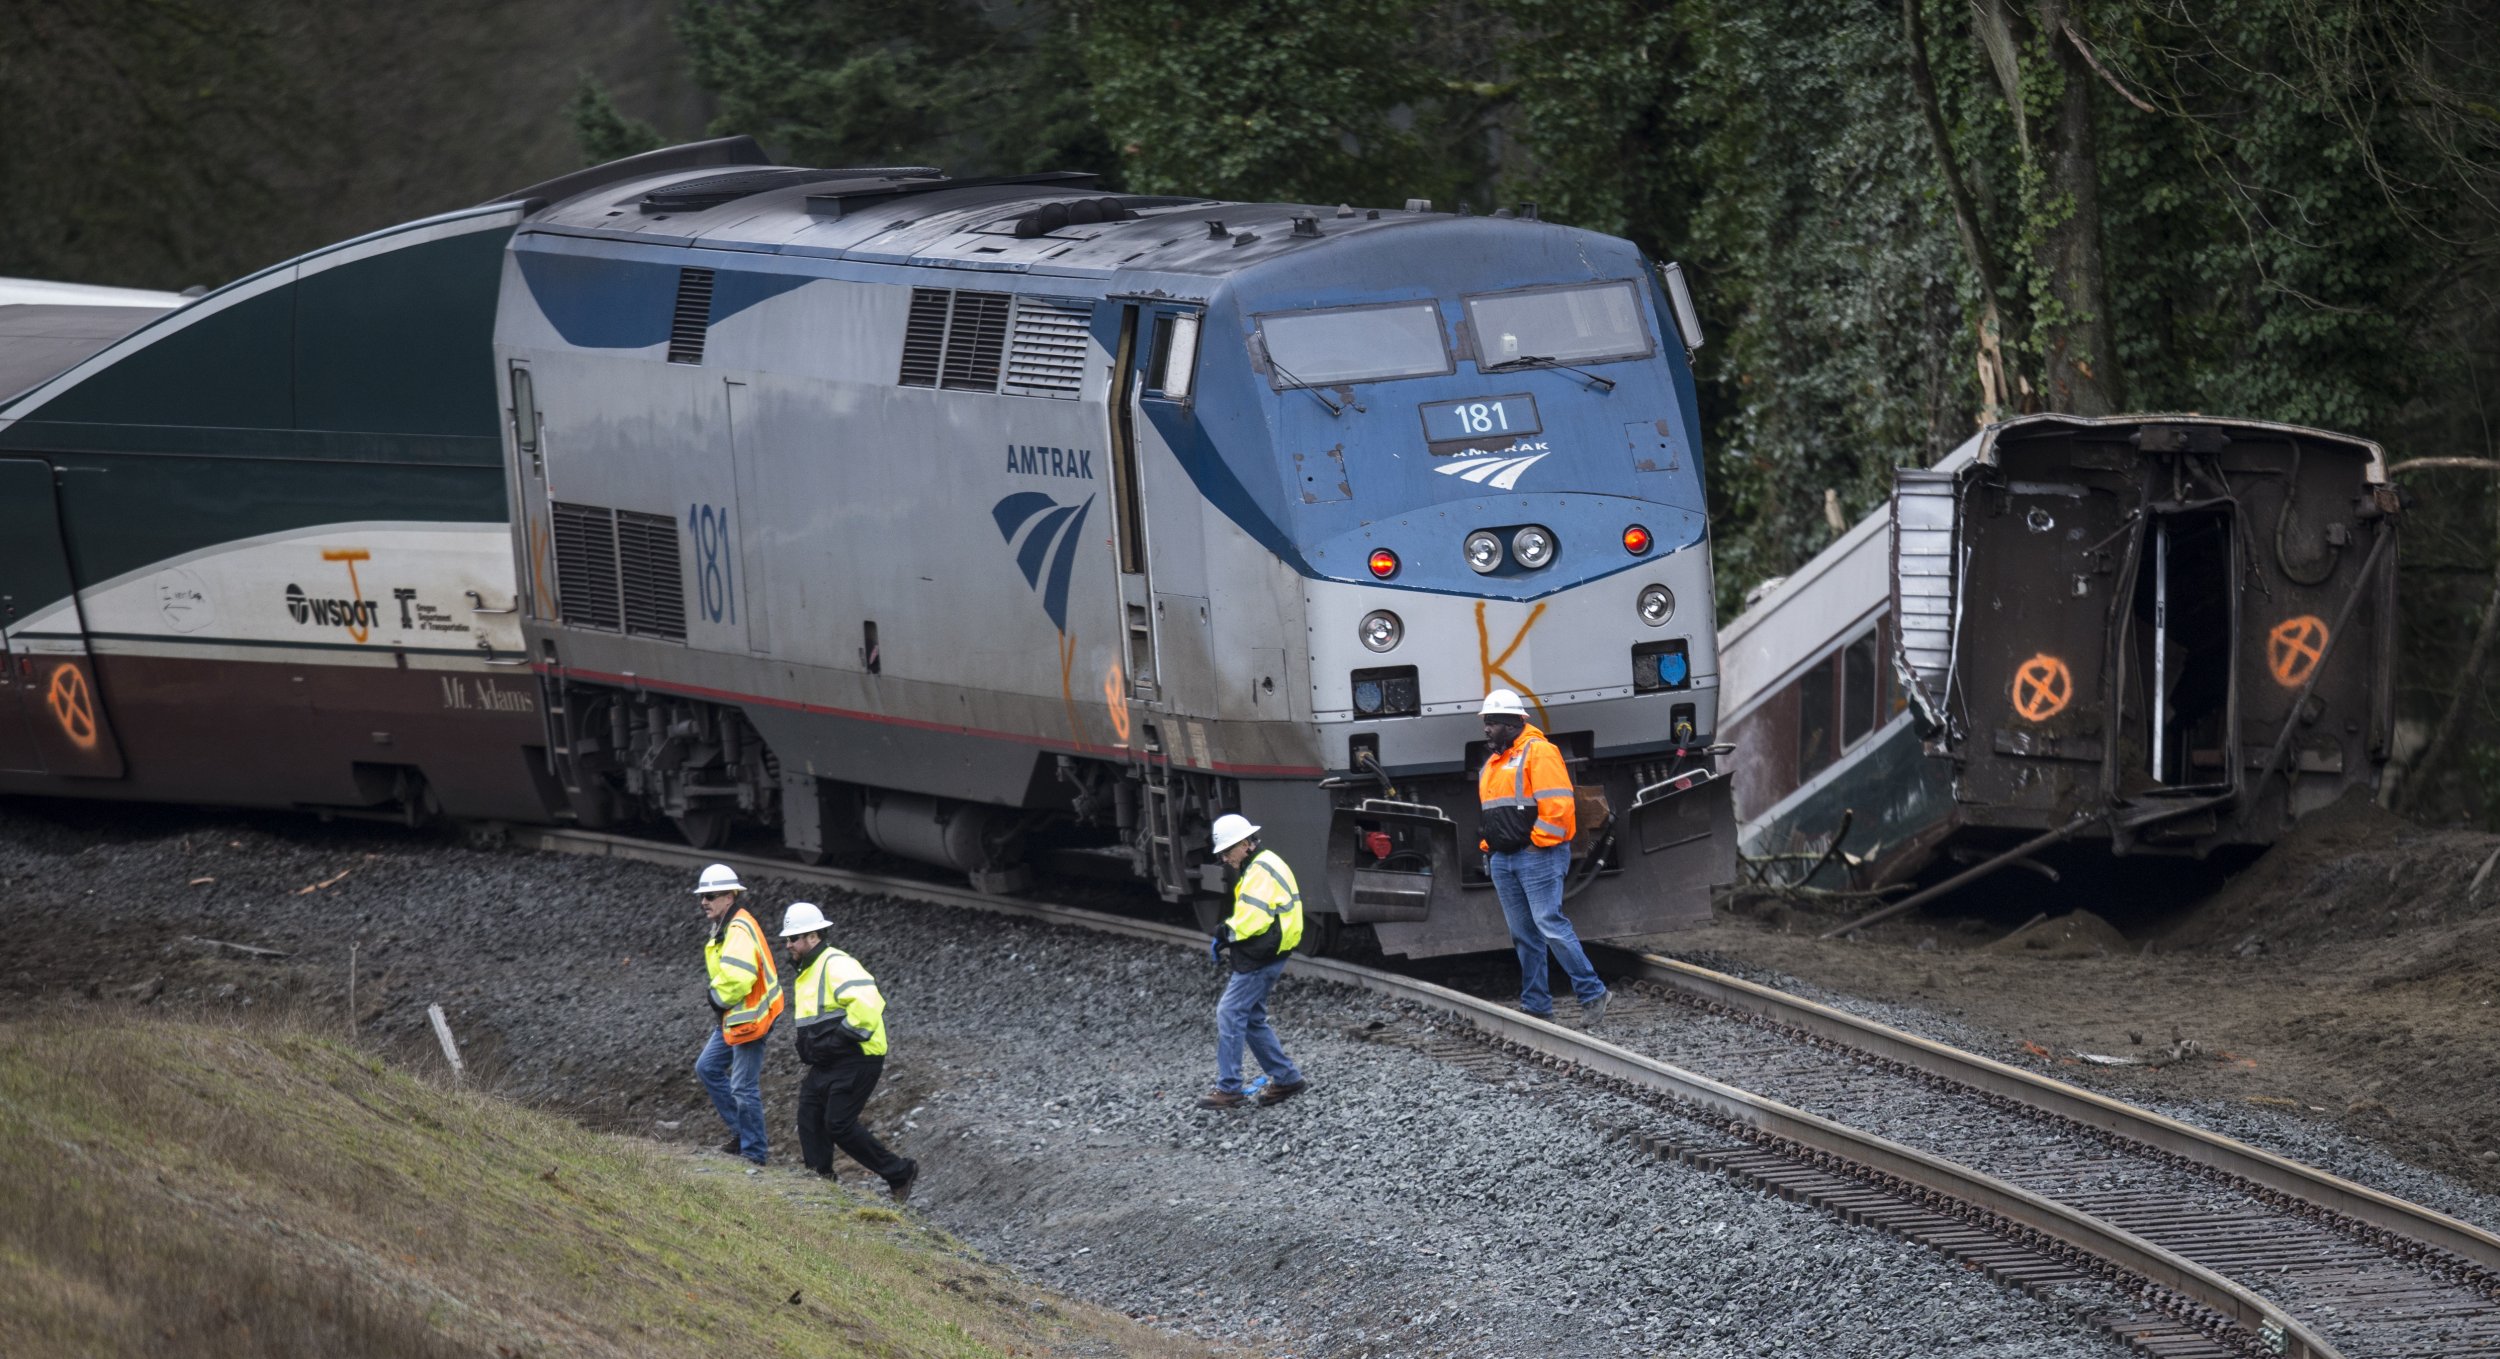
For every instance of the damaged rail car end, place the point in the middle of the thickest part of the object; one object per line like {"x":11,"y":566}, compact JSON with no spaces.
{"x":2169,"y":635}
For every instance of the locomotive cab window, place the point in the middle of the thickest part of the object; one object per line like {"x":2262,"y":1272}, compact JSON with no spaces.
{"x":1588,"y":323}
{"x":1175,"y":360}
{"x":1354,"y":344}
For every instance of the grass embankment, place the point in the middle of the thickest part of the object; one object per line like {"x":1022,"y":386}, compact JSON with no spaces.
{"x":188,"y":1188}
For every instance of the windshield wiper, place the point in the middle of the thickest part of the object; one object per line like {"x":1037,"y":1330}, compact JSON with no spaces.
{"x":1333,"y":407}
{"x":1603,"y":384}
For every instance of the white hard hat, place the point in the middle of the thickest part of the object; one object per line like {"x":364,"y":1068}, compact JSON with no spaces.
{"x":1502,"y":703}
{"x":718,"y":878}
{"x":803,"y":918}
{"x":1231,"y":829}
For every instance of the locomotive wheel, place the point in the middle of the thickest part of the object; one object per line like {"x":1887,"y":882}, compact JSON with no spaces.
{"x":705,"y":829}
{"x":1321,"y":933}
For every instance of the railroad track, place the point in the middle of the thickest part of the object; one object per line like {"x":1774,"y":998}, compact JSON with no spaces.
{"x":2217,"y":1248}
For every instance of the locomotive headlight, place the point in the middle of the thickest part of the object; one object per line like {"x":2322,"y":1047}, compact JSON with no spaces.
{"x":1381,"y":630}
{"x":1656,"y":605}
{"x":1533,"y":546}
{"x":1484,"y":552}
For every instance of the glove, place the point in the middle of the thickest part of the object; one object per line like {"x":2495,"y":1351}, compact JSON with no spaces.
{"x":1215,"y":948}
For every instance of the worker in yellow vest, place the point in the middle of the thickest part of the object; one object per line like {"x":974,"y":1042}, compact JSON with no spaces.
{"x":744,"y":988}
{"x":840,"y":1023}
{"x":1263,"y":931}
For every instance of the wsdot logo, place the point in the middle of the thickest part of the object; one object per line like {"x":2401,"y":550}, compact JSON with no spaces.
{"x":336,"y":613}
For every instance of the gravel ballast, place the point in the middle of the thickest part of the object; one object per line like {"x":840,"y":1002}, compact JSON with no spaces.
{"x":1045,"y":1079}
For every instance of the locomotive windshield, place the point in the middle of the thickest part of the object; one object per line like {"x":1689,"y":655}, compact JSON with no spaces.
{"x":1559,"y":325}
{"x":1354,"y":344}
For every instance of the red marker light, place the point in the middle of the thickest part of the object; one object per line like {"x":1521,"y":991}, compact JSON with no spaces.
{"x":1384,"y":563}
{"x":1636,"y":540}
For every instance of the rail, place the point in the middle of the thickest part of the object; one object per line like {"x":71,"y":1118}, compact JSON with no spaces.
{"x":2272,"y":1329}
{"x":2209,"y":1149}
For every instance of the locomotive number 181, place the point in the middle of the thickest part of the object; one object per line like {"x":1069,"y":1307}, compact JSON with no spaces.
{"x":1480,"y":417}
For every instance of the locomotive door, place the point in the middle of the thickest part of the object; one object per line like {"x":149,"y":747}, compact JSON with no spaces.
{"x":53,"y":719}
{"x":1137,"y":626}
{"x":534,"y":544}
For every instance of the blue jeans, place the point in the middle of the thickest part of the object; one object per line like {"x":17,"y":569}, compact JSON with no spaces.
{"x":734,"y":1078}
{"x":1530,"y":884}
{"x":1241,"y":1016}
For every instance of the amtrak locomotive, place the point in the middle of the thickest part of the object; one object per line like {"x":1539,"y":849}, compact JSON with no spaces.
{"x":965,"y":519}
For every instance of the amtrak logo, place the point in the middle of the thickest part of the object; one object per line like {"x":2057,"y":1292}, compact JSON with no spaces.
{"x":1501,"y":471}
{"x":1048,"y":554}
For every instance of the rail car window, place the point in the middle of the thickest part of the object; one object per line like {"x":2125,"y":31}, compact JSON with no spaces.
{"x":1354,"y":344}
{"x":1565,"y":325}
{"x":1815,"y":747}
{"x":1859,"y":691}
{"x":1841,"y":700}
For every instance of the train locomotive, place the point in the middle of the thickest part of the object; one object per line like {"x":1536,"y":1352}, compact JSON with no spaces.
{"x":972,"y":520}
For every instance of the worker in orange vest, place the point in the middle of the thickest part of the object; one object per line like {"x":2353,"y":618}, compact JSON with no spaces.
{"x":1527,"y":814}
{"x":744,"y":988}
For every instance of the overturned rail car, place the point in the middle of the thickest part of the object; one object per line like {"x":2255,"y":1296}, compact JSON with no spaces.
{"x":2164,"y":635}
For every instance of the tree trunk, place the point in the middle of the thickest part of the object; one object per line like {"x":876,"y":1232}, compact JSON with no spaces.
{"x":2080,"y":358}
{"x":1996,"y":387}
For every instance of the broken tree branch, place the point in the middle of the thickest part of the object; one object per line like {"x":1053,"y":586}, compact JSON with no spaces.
{"x":2093,"y":60}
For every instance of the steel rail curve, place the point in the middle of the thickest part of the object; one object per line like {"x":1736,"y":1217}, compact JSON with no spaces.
{"x":2266,"y":1328}
{"x":2211,"y":1150}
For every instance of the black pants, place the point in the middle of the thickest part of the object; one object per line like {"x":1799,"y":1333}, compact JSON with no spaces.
{"x":830,"y":1098}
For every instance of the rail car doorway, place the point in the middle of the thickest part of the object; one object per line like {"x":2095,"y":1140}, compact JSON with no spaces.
{"x":2184,"y":732}
{"x":52,"y":717}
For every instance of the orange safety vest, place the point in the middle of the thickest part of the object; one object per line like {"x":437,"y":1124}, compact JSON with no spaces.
{"x":751,"y":1015}
{"x":1528,"y":788}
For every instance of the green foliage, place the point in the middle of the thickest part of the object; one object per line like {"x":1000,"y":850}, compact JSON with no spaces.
{"x":606,"y":133}
{"x":1300,"y":100}
{"x":1834,"y":281}
{"x":880,"y":82}
{"x":137,"y":131}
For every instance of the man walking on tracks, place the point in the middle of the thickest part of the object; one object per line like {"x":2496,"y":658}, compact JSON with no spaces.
{"x":841,"y":1037}
{"x":1263,"y":931}
{"x":1524,"y":793}
{"x":744,"y":988}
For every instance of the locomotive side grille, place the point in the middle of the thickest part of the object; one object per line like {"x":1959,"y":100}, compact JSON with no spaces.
{"x":1047,"y":355}
{"x":924,"y":337}
{"x":692,"y":317}
{"x":655,"y":584}
{"x":585,"y":541}
{"x":975,"y":340}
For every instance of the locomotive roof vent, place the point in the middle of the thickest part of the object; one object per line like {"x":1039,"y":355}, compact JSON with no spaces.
{"x":1063,"y":213}
{"x":695,"y":195}
{"x":1306,"y":226}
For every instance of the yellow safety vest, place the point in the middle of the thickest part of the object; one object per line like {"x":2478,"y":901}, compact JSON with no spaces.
{"x":743,"y":978}
{"x":832,"y":988}
{"x":1267,"y":895}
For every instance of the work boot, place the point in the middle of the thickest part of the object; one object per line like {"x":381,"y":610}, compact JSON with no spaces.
{"x":733,"y":1147}
{"x":1222,"y":1099}
{"x":901,"y":1189}
{"x":1278,"y":1092}
{"x":1593,"y":1012}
